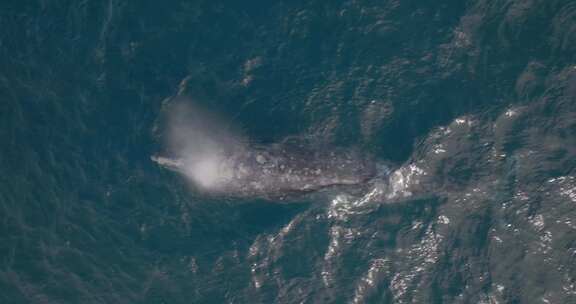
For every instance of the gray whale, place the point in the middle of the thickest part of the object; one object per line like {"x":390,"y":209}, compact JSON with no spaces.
{"x":217,"y":159}
{"x":275,"y":171}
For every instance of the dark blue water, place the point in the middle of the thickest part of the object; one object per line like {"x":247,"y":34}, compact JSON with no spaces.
{"x":470,"y":104}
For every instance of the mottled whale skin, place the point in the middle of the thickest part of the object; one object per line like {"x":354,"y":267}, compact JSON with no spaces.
{"x":275,"y":171}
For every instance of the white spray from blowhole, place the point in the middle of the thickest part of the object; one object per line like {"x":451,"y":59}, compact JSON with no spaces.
{"x":199,"y":145}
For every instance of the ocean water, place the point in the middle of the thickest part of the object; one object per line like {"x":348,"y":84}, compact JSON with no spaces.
{"x":466,"y":108}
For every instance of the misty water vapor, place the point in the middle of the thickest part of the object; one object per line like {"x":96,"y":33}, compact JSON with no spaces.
{"x":199,"y":145}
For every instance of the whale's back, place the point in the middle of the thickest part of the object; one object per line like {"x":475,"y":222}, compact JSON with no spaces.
{"x":293,"y":168}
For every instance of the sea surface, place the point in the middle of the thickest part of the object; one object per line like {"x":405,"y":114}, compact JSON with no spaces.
{"x":471,"y":106}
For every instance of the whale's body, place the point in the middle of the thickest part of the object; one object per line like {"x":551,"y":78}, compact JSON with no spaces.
{"x":277,"y":170}
{"x":219,"y":160}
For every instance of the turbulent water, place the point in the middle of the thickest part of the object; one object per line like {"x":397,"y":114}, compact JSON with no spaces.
{"x":329,"y":151}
